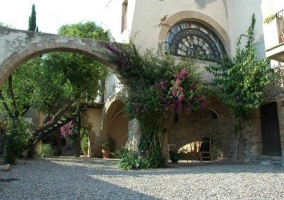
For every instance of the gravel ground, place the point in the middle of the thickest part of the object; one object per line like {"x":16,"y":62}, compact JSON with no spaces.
{"x":90,"y":178}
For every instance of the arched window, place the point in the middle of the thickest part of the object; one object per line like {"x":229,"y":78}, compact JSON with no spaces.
{"x":195,"y":40}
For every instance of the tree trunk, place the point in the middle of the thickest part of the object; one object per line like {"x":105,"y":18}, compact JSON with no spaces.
{"x":78,"y":141}
{"x":165,"y":149}
{"x":239,"y":142}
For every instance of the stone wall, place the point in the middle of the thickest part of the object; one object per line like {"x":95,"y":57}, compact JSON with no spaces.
{"x":218,"y":123}
{"x":204,"y":123}
{"x":275,"y":93}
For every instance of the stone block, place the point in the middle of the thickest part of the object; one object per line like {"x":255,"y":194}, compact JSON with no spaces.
{"x":5,"y":168}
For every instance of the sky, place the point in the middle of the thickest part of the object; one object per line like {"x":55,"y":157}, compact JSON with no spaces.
{"x":51,"y":14}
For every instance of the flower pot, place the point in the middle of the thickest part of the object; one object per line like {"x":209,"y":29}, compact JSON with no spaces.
{"x":281,"y":38}
{"x":105,"y":153}
{"x":174,"y":159}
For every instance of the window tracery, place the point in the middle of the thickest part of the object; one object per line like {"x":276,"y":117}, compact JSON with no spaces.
{"x":195,"y":40}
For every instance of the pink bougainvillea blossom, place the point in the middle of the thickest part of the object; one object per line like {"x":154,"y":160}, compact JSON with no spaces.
{"x":66,"y":130}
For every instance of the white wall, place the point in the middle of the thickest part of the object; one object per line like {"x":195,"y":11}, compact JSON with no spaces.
{"x":239,"y":18}
{"x":271,"y":37}
{"x":112,"y":86}
{"x":113,"y":19}
{"x":94,"y":120}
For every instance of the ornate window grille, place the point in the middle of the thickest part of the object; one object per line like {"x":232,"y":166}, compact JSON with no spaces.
{"x":195,"y":40}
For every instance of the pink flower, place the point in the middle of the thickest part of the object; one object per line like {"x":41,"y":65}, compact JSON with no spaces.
{"x":187,"y":111}
{"x":178,"y":82}
{"x":180,"y":98}
{"x":183,"y":73}
{"x":203,"y":103}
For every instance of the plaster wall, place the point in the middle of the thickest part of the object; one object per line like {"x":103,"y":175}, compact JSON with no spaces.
{"x":113,"y":19}
{"x":112,"y":86}
{"x":271,"y":36}
{"x":93,"y":118}
{"x":118,"y":133}
{"x":148,"y":15}
{"x":145,"y":16}
{"x":239,"y":19}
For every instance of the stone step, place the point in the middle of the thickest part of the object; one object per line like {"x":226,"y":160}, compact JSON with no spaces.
{"x":269,"y":160}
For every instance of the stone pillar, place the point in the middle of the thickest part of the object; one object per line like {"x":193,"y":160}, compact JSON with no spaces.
{"x":134,"y":135}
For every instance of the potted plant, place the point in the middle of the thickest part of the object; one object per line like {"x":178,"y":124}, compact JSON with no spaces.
{"x":174,"y":156}
{"x":105,"y":149}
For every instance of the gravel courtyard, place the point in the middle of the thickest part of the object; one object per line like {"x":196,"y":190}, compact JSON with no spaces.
{"x":90,"y":178}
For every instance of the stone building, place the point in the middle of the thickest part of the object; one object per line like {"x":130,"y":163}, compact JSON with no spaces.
{"x":213,"y":27}
{"x":182,"y":27}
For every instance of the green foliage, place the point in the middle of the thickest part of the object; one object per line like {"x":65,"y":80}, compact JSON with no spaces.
{"x":81,"y":74}
{"x":158,"y":88}
{"x":84,"y":30}
{"x":105,"y":145}
{"x":15,"y":137}
{"x":129,"y":159}
{"x":239,"y":81}
{"x":32,"y":20}
{"x":84,"y":144}
{"x":45,"y":150}
{"x":3,"y":25}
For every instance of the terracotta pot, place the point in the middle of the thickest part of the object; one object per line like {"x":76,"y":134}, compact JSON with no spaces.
{"x":105,"y":153}
{"x":282,"y":38}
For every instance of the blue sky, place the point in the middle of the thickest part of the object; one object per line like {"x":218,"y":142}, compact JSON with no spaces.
{"x":51,"y":14}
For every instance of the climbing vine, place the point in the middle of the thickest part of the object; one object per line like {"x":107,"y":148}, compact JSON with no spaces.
{"x":158,"y":89}
{"x":239,"y":81}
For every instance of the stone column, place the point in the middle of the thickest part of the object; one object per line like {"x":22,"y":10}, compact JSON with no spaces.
{"x":134,"y":135}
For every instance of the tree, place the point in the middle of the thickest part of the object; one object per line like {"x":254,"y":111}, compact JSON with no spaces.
{"x":32,"y":20}
{"x":239,"y":81}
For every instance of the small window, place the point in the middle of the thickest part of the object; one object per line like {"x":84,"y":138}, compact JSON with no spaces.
{"x":124,"y":15}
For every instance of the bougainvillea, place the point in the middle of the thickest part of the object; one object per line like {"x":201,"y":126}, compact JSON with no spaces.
{"x":158,"y":88}
{"x":70,"y":131}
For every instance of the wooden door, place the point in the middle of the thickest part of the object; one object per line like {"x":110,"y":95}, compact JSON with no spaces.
{"x":270,"y":130}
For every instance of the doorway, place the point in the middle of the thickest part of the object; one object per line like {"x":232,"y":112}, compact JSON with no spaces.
{"x":270,"y":130}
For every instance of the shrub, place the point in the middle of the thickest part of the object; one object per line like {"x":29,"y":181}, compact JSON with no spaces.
{"x":129,"y":159}
{"x":84,"y":144}
{"x":45,"y":150}
{"x":105,"y":145}
{"x":15,"y":138}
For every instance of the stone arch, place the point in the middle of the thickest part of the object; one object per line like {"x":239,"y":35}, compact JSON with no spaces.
{"x":20,"y":46}
{"x":215,"y":113}
{"x":113,"y":109}
{"x":16,"y":59}
{"x":198,"y":17}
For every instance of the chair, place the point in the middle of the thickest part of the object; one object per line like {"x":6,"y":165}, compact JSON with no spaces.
{"x":193,"y":152}
{"x":205,"y":149}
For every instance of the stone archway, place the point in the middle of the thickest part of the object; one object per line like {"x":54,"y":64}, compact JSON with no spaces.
{"x":114,"y":126}
{"x":18,"y":46}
